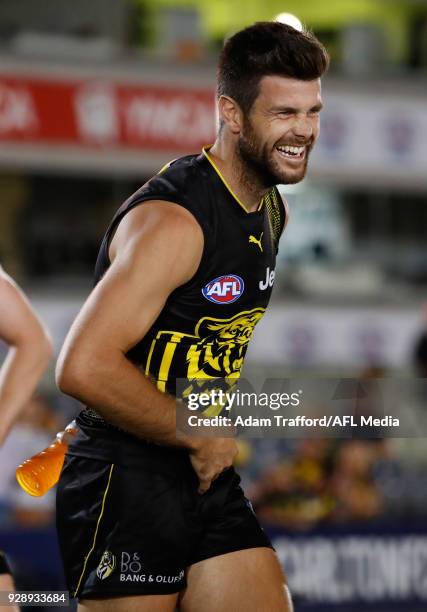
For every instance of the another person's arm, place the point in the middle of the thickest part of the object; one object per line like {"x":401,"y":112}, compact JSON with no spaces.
{"x":157,"y":247}
{"x":28,"y":355}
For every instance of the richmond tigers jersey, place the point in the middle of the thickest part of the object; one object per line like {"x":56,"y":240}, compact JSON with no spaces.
{"x":205,"y":326}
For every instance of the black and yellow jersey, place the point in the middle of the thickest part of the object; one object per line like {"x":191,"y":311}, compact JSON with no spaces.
{"x":205,"y":325}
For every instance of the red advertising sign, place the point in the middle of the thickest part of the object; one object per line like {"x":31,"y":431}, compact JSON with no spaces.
{"x":102,"y":113}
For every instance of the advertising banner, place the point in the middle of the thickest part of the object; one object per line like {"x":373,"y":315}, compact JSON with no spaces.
{"x":355,"y":569}
{"x":101,"y":113}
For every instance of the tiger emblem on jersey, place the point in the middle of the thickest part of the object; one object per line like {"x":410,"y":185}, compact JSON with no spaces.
{"x":215,"y":361}
{"x":106,"y":565}
{"x":222,"y":346}
{"x":211,"y":357}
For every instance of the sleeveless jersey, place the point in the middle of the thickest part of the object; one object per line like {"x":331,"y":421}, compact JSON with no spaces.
{"x":204,"y":328}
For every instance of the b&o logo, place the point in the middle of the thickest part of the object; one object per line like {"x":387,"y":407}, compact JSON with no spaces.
{"x":130,"y":563}
{"x":224,"y":289}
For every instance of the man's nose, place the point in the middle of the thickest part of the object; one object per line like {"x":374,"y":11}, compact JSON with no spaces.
{"x":303,"y":127}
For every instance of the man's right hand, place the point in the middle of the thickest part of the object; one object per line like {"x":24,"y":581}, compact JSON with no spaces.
{"x":210,"y":457}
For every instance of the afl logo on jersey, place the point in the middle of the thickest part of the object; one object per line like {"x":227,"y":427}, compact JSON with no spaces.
{"x":224,"y":289}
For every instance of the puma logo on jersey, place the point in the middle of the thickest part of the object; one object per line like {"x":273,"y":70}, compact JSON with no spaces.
{"x":268,"y":281}
{"x":256,"y":241}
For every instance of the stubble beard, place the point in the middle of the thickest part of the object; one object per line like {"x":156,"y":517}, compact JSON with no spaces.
{"x":258,"y":161}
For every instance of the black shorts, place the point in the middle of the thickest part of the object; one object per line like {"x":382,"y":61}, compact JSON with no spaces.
{"x":132,"y":524}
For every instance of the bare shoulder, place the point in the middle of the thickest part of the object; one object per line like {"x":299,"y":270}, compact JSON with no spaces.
{"x":158,"y":221}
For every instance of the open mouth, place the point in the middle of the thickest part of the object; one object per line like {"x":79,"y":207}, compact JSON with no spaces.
{"x":291,"y":152}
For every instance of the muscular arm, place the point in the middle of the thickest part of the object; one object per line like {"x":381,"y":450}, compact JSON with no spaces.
{"x":156,"y":248}
{"x":28,"y":355}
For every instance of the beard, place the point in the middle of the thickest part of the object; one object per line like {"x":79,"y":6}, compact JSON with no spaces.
{"x":260,"y":163}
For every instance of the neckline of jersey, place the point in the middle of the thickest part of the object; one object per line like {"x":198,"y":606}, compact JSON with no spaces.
{"x":218,"y":171}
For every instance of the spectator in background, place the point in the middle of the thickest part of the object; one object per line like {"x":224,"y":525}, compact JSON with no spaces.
{"x":27,"y":359}
{"x":356,"y":494}
{"x":326,"y":481}
{"x":295,"y":492}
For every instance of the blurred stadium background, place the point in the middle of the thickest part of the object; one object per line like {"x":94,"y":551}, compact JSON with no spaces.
{"x":94,"y":98}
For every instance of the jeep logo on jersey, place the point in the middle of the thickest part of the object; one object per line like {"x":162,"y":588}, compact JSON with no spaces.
{"x":269,"y":279}
{"x":224,"y":289}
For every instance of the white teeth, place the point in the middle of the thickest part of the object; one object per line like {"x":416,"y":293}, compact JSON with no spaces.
{"x":292,"y":150}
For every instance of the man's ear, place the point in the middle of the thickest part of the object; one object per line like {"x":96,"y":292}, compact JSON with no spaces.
{"x":230,"y":114}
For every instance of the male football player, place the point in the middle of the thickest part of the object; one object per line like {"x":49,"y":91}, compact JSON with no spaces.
{"x":147,"y":519}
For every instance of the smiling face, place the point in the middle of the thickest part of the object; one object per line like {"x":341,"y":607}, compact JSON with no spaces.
{"x":282,"y":126}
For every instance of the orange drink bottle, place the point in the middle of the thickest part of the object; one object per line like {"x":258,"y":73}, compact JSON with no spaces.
{"x":41,"y":472}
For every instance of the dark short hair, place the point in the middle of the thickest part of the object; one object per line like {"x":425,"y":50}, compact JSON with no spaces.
{"x":263,"y":49}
